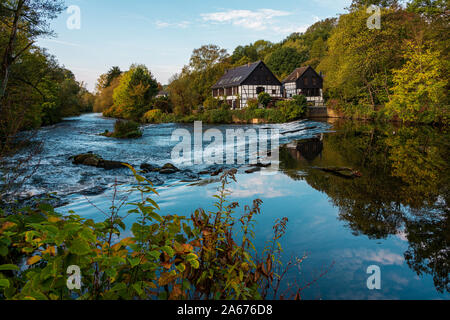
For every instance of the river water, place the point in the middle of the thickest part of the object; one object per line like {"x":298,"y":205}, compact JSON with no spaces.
{"x":395,"y":216}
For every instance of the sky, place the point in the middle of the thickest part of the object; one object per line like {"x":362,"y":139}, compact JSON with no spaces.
{"x":163,"y":34}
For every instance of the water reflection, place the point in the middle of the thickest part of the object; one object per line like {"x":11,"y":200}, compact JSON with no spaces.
{"x":403,"y":189}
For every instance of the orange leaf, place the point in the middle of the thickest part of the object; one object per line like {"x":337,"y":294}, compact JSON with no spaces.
{"x":196,"y":243}
{"x":7,"y":225}
{"x":54,"y":219}
{"x":33,"y":260}
{"x":50,"y":250}
{"x":127,"y":241}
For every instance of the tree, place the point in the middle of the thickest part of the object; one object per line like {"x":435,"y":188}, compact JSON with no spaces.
{"x":104,"y":96}
{"x":429,"y":8}
{"x":359,"y":62}
{"x":206,"y":56}
{"x":420,"y":87}
{"x":133,"y":95}
{"x":284,"y":60}
{"x":112,"y":74}
{"x":25,"y":20}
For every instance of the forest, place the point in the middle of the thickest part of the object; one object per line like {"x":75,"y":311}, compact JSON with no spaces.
{"x":398,"y":72}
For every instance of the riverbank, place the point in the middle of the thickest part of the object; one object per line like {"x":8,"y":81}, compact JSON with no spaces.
{"x":375,"y":218}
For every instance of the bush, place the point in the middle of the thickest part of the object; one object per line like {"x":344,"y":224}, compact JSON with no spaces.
{"x":125,"y":130}
{"x":291,"y":109}
{"x":264,"y":99}
{"x":163,"y":104}
{"x":165,"y":257}
{"x":211,"y":103}
{"x":222,"y":115}
{"x":252,"y":104}
{"x":152,"y":116}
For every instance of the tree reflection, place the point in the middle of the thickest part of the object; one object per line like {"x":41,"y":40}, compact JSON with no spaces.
{"x":403,"y":188}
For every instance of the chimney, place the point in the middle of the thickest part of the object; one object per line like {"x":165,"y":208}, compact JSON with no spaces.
{"x":298,"y":75}
{"x":248,"y":64}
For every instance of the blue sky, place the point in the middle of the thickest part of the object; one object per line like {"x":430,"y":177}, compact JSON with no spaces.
{"x":162,"y":34}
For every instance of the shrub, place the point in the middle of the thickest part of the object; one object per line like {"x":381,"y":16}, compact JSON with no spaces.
{"x":211,"y":103}
{"x":163,"y":104}
{"x":126,"y":130}
{"x":264,"y":99}
{"x":290,"y":109}
{"x":252,"y":104}
{"x":222,"y":115}
{"x":152,"y":116}
{"x":165,"y":257}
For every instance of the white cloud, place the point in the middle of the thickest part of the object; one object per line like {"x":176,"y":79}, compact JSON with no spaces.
{"x":164,"y":24}
{"x":258,"y":20}
{"x":381,"y":256}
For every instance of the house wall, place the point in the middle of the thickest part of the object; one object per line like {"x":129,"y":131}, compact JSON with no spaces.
{"x":244,"y":93}
{"x":250,"y":92}
{"x":309,"y":84}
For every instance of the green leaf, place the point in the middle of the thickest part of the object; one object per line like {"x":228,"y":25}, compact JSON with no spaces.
{"x":4,"y":283}
{"x":119,"y":286}
{"x":194,"y":263}
{"x":5,"y":267}
{"x":170,"y":252}
{"x":80,"y":247}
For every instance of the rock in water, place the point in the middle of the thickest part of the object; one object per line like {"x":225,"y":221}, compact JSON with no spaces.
{"x":110,"y":165}
{"x":168,"y":168}
{"x":93,"y":160}
{"x":87,"y":159}
{"x":146,"y":167}
{"x":254,"y":169}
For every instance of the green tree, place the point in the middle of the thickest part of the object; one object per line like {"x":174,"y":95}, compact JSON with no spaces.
{"x":359,"y":61}
{"x":24,"y":21}
{"x":206,"y":56}
{"x":284,"y":60}
{"x":420,"y":87}
{"x":112,"y":74}
{"x":135,"y":91}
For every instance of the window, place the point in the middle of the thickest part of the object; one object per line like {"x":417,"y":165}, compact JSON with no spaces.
{"x":314,"y":81}
{"x":274,"y":91}
{"x":259,"y":90}
{"x":305,"y":81}
{"x":229,"y":92}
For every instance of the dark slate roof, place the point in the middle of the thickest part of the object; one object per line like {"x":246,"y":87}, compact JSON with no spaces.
{"x":236,"y":76}
{"x":297,"y":73}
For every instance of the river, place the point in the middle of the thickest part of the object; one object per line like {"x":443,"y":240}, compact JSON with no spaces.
{"x":394,"y":216}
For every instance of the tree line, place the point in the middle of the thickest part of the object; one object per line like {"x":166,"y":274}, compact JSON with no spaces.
{"x":399,"y":71}
{"x":35,"y":90}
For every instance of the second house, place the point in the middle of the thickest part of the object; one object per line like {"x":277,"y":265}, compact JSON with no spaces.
{"x":240,"y":84}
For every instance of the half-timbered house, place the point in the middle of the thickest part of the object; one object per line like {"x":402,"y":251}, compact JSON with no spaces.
{"x":306,"y":81}
{"x":240,"y":84}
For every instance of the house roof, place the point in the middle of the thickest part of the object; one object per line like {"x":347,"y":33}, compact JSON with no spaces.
{"x":297,"y":73}
{"x":236,"y":76}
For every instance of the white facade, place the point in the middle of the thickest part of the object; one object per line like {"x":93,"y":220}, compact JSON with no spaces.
{"x":247,"y":92}
{"x":290,"y":89}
